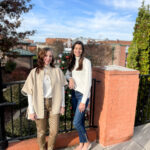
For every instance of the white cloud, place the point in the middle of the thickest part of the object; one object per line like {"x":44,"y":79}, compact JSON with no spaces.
{"x":125,"y":4}
{"x":108,"y":25}
{"x":109,"y":21}
{"x":32,"y":22}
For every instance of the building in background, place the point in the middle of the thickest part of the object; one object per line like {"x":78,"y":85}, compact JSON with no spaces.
{"x":119,"y":47}
{"x":120,"y":51}
{"x":22,"y":54}
{"x":22,"y":58}
{"x":51,"y":41}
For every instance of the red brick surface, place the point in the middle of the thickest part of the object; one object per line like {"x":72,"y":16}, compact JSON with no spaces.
{"x":52,"y":40}
{"x":122,"y":56}
{"x":116,"y":42}
{"x":63,"y":140}
{"x":115,"y":104}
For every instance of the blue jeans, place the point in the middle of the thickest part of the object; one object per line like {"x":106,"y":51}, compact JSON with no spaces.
{"x":78,"y":120}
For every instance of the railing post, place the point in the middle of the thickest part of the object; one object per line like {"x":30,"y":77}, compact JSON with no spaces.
{"x":3,"y":140}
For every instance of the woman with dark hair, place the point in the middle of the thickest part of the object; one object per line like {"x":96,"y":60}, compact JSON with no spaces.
{"x":79,"y":76}
{"x":45,"y":90}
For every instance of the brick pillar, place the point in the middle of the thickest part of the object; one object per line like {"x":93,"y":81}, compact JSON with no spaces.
{"x":115,"y":103}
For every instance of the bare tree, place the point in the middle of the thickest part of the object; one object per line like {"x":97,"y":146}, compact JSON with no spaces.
{"x":10,"y":14}
{"x":58,"y":48}
{"x":99,"y":54}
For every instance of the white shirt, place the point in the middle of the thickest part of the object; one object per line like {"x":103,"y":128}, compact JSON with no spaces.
{"x":47,"y":91}
{"x":82,"y":78}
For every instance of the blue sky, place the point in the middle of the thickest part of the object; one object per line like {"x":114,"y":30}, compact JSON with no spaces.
{"x":98,"y":19}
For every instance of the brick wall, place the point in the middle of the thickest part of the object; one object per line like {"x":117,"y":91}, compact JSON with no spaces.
{"x":115,"y":104}
{"x":122,"y":56}
{"x":32,"y":48}
{"x":52,"y":40}
{"x":119,"y":52}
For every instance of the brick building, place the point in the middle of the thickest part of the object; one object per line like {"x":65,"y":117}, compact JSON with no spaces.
{"x":27,"y":44}
{"x":119,"y":48}
{"x":22,"y":54}
{"x":32,"y":48}
{"x":24,"y":58}
{"x":50,"y":41}
{"x":120,"y":51}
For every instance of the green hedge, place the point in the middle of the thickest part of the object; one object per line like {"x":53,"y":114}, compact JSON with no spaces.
{"x":28,"y":127}
{"x":10,"y":66}
{"x":15,"y":96}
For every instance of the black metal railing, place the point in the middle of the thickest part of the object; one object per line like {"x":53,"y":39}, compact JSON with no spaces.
{"x":143,"y":102}
{"x":17,"y":127}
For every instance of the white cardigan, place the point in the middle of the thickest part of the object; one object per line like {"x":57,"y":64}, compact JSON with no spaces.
{"x":82,"y":78}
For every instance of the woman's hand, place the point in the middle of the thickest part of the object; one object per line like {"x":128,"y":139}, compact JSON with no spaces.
{"x":62,"y":110}
{"x":71,"y":83}
{"x":32,"y":116}
{"x":81,"y":107}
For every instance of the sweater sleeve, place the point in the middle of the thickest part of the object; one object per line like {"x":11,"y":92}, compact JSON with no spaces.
{"x":63,"y":97}
{"x":62,"y":77}
{"x":63,"y":82}
{"x":88,"y":79}
{"x":28,"y":86}
{"x":68,"y":75}
{"x":30,"y":105}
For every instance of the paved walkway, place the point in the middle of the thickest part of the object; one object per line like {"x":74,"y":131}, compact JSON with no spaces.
{"x":140,"y":141}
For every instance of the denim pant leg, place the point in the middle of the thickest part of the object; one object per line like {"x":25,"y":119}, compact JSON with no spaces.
{"x":78,"y":120}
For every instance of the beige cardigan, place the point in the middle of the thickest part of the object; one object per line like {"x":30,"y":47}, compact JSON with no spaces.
{"x":34,"y":86}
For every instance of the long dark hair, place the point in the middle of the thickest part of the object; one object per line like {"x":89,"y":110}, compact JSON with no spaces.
{"x":40,"y":61}
{"x":72,"y":57}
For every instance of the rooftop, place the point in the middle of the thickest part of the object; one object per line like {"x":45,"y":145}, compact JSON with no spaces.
{"x":119,"y":68}
{"x":122,"y":43}
{"x":23,"y":52}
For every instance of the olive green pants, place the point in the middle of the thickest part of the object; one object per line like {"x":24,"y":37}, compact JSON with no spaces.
{"x":42,"y":124}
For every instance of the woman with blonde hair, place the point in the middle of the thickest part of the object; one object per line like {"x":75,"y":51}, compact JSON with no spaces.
{"x":45,"y":90}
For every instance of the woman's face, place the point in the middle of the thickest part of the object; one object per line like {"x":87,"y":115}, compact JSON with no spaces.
{"x":77,"y":50}
{"x":48,"y":58}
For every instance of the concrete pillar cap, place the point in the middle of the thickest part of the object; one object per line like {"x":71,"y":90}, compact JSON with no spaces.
{"x":119,"y":68}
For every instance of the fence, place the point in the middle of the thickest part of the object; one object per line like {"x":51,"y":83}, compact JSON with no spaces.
{"x":17,"y":127}
{"x":143,"y":102}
